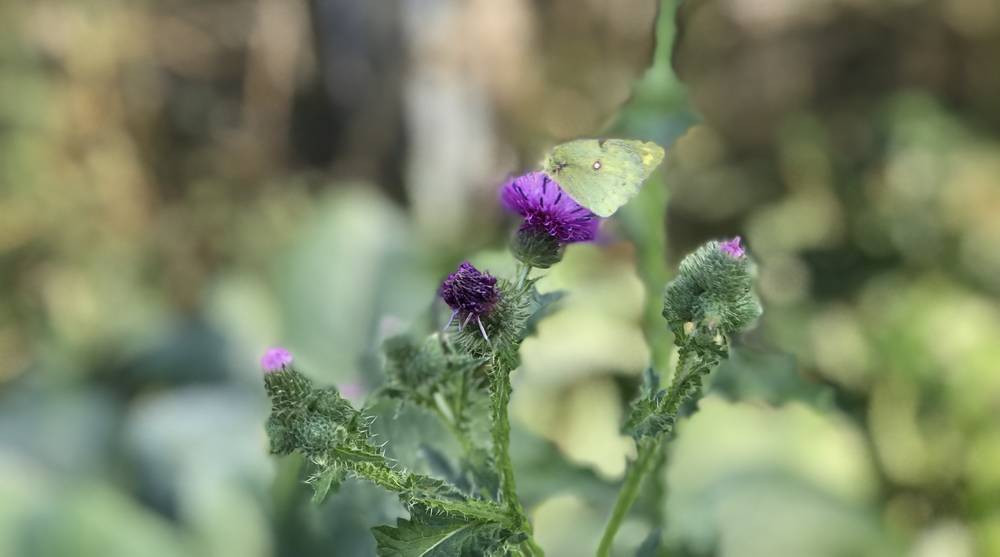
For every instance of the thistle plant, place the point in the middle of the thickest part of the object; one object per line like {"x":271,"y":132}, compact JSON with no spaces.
{"x":461,"y":371}
{"x":709,"y":301}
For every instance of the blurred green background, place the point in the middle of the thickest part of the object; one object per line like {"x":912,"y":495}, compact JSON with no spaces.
{"x":186,"y":182}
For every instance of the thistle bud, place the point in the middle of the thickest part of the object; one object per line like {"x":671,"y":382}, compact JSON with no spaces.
{"x":276,"y":359}
{"x":287,"y":388}
{"x":471,"y":294}
{"x":311,"y":420}
{"x":713,"y":289}
{"x":317,"y":433}
{"x":733,"y":248}
{"x":536,"y":248}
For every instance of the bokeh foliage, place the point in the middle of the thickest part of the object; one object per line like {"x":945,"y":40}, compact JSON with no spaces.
{"x":185,"y":182}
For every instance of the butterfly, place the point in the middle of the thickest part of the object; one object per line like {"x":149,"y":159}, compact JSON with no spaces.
{"x":602,"y":174}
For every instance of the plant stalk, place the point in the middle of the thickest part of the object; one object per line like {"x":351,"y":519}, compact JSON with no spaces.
{"x":501,"y":438}
{"x":629,"y":493}
{"x":504,"y":363}
{"x":419,"y":489}
{"x":523,"y":272}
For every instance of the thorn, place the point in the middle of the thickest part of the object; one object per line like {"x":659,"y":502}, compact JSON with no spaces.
{"x":450,"y":320}
{"x":482,"y":329}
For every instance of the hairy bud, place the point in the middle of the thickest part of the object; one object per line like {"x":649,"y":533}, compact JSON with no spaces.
{"x":714,"y":290}
{"x":536,"y":248}
{"x":711,"y":299}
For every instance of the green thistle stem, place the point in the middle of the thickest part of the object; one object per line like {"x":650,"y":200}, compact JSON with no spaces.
{"x":691,"y":367}
{"x":501,"y":391}
{"x":457,"y":431}
{"x":523,"y":271}
{"x":505,"y":360}
{"x":629,"y":492}
{"x":418,"y":489}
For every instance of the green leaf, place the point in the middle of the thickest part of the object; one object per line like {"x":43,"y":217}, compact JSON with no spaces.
{"x":545,"y":305}
{"x":543,"y":472}
{"x":325,"y":481}
{"x":650,"y":546}
{"x":417,"y":369}
{"x":427,"y":536}
{"x":645,"y":416}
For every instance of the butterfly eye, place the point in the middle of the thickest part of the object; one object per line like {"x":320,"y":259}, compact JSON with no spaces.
{"x":597,"y":165}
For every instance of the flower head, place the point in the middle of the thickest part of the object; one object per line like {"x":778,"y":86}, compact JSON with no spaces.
{"x":733,"y":248}
{"x":470,"y":293}
{"x":547,"y":208}
{"x":275,"y":359}
{"x":713,"y":289}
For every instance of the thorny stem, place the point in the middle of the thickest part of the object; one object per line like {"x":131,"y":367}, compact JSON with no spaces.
{"x":657,"y":490}
{"x":651,"y":246}
{"x":500,"y":387}
{"x":522,"y":275}
{"x":468,"y":447}
{"x":686,"y":383}
{"x":629,"y":492}
{"x":418,"y":489}
{"x":501,"y":437}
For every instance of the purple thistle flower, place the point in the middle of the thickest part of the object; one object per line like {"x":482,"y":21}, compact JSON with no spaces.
{"x":275,"y":359}
{"x":547,"y":208}
{"x":471,"y":294}
{"x":733,"y":248}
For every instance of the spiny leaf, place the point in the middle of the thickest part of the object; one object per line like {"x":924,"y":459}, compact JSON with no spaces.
{"x":545,"y":305}
{"x":442,"y":467}
{"x":655,"y":412}
{"x":417,"y":369}
{"x":474,"y":474}
{"x":437,"y":536}
{"x":325,"y":481}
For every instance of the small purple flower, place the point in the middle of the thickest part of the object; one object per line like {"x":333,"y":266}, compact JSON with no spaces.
{"x":275,"y":359}
{"x":471,"y":294}
{"x":733,"y":248}
{"x":547,"y":208}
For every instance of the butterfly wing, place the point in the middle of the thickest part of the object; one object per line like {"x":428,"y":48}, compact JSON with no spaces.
{"x":602,"y":175}
{"x":571,"y":165}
